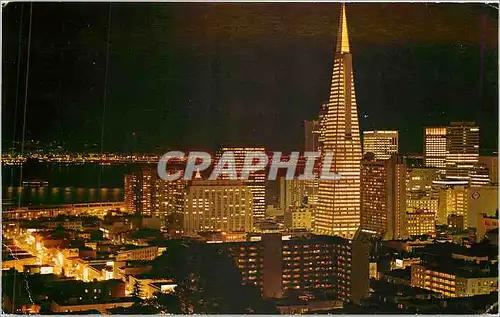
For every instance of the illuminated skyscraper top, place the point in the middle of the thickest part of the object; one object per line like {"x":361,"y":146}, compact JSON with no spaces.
{"x":338,"y":210}
{"x":342,"y":34}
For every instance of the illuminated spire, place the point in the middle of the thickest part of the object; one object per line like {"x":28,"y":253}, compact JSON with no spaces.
{"x":342,"y":35}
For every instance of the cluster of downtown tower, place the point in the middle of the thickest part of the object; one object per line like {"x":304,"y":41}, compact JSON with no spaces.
{"x":330,"y":242}
{"x":338,"y":205}
{"x":369,"y":193}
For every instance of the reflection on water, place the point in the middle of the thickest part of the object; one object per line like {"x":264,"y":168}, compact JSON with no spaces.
{"x":67,"y":184}
{"x":58,"y":195}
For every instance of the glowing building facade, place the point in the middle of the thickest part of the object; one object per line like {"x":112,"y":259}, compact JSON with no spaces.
{"x":435,"y":147}
{"x":462,"y":145}
{"x":383,"y":200}
{"x":220,"y":205}
{"x":381,"y":143}
{"x":338,"y":211}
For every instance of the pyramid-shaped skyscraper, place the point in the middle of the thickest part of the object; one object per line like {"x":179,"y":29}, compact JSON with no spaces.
{"x":338,"y":209}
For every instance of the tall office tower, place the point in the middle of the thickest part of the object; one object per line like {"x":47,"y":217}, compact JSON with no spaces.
{"x":146,"y":185}
{"x":462,"y":149}
{"x":139,"y":191}
{"x":381,"y":143}
{"x":338,"y":208}
{"x":256,"y":180}
{"x":435,"y":147}
{"x":220,"y":205}
{"x":131,"y":193}
{"x":383,"y":197}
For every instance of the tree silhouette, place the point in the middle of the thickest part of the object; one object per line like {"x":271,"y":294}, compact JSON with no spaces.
{"x":208,"y":282}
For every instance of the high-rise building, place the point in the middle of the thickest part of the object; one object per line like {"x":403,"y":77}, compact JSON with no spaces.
{"x":458,"y":144}
{"x":168,"y":202}
{"x":421,"y":194}
{"x":435,"y":147}
{"x":139,"y":189}
{"x":131,"y":193}
{"x":381,"y":143}
{"x":146,"y":185}
{"x":279,"y":264}
{"x":217,"y":205}
{"x":149,"y":195}
{"x":338,"y":209}
{"x":462,"y":146}
{"x":383,"y":198}
{"x":256,"y":180}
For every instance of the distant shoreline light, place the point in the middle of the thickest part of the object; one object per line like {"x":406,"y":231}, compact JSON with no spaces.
{"x":254,"y":161}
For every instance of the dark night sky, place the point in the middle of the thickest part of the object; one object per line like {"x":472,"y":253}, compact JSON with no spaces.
{"x":201,"y":75}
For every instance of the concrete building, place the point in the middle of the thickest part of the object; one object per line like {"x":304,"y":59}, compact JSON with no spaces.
{"x":278,"y":264}
{"x":383,"y":200}
{"x":218,"y":205}
{"x":299,"y":217}
{"x":453,"y":283}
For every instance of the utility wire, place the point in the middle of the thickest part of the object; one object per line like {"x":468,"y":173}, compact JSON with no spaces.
{"x":24,"y":127}
{"x":103,"y":118}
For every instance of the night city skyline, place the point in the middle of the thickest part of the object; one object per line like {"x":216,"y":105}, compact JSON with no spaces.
{"x":238,"y":79}
{"x":250,"y":158}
